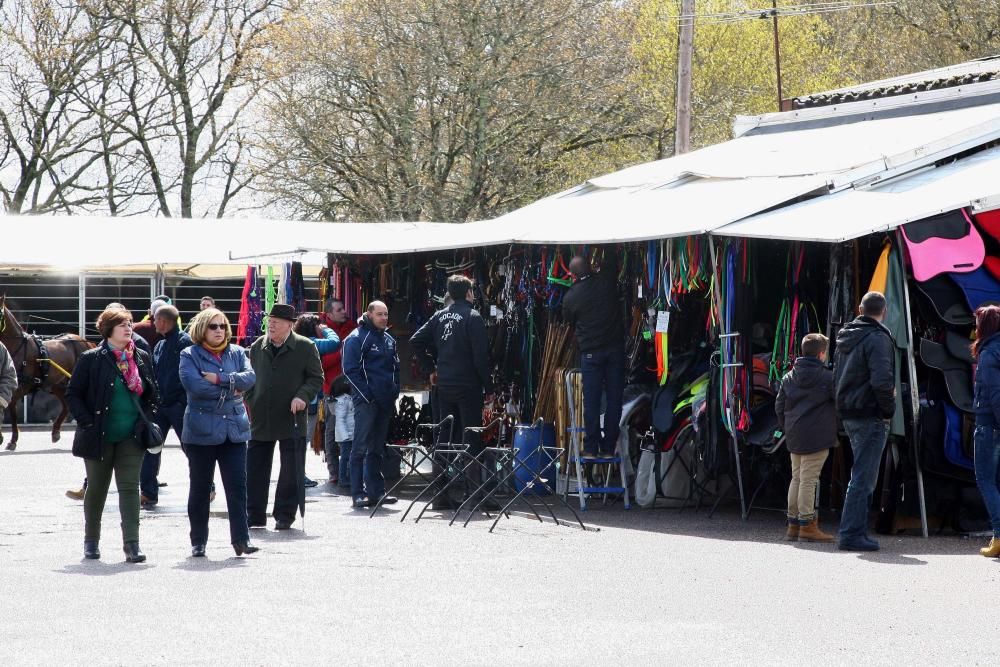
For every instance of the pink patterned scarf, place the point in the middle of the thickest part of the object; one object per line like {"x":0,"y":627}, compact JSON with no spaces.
{"x":125,"y":359}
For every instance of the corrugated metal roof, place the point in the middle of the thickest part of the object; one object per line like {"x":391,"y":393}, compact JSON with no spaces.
{"x":962,"y":74}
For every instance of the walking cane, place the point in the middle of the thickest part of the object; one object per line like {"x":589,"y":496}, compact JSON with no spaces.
{"x":300,"y":488}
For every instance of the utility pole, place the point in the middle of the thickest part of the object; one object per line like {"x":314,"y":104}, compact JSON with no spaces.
{"x":685,"y":47}
{"x":777,"y":48}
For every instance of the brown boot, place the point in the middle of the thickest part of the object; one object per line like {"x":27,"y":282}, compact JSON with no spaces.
{"x":792,"y":533}
{"x":992,"y":551}
{"x":810,"y":532}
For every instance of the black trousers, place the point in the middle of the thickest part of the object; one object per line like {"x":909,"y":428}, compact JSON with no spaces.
{"x":465,"y":404}
{"x":260,"y":456}
{"x":232,"y":460}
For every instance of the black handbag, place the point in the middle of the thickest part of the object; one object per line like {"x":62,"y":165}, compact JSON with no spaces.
{"x":148,"y":434}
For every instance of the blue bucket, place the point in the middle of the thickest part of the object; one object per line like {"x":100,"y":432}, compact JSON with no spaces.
{"x":527,"y":442}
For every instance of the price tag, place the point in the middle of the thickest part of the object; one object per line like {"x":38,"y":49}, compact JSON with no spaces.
{"x":663,"y":321}
{"x":493,"y":311}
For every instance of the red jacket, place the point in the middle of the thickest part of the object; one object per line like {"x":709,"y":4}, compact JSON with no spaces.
{"x":332,"y":366}
{"x":146,"y":329}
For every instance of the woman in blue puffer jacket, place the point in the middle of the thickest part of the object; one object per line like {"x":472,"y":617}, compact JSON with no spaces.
{"x":986,"y":350}
{"x":215,"y":373}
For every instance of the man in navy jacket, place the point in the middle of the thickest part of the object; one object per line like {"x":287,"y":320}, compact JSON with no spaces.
{"x":173,"y":398}
{"x":371,"y":363}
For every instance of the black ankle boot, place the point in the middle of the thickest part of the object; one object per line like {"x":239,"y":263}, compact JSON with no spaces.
{"x":133,"y":554}
{"x":244,"y":548}
{"x":198,"y":551}
{"x":90,"y":550}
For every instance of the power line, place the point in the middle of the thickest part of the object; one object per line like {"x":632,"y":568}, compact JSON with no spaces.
{"x":812,"y":9}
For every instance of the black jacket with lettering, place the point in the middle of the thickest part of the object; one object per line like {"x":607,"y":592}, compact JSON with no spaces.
{"x":453,"y":342}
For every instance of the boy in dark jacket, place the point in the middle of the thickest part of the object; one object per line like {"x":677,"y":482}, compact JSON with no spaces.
{"x":864,"y":369}
{"x":807,"y":414}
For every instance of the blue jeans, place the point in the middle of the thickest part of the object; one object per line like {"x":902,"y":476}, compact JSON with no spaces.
{"x":232,"y":460}
{"x":868,"y":437}
{"x":603,"y":375}
{"x":167,"y":417}
{"x":987,"y":442}
{"x":371,"y":428}
{"x":344,"y":478}
{"x":335,"y":465}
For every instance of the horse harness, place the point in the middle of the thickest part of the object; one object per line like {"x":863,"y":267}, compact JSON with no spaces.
{"x":43,"y":360}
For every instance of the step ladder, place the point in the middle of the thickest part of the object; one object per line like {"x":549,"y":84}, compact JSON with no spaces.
{"x":577,"y":464}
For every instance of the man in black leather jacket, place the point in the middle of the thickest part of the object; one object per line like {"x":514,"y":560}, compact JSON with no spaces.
{"x":865,"y":375}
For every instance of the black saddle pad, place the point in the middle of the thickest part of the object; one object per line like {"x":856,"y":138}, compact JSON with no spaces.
{"x":958,"y":346}
{"x":957,"y":373}
{"x":663,"y":409}
{"x":947,"y":300}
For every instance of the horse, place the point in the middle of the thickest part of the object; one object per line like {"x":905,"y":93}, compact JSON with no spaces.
{"x":41,"y":364}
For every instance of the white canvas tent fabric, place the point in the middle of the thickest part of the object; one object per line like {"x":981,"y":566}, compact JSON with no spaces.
{"x":214,"y":248}
{"x":704,"y":190}
{"x":849,"y":214}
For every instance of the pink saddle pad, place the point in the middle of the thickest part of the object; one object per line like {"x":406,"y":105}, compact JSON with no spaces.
{"x":946,"y":243}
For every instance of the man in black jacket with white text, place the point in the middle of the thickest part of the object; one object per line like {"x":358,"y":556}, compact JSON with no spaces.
{"x":453,"y":344}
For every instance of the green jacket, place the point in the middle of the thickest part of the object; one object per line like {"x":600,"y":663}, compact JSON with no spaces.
{"x":296,"y":371}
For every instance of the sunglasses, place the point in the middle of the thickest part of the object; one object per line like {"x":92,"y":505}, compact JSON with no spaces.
{"x":217,"y":327}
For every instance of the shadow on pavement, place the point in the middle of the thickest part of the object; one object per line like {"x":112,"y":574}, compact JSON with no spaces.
{"x":207,"y":565}
{"x":296,"y":534}
{"x":764,"y":527}
{"x":890,"y":558}
{"x":98,"y":568}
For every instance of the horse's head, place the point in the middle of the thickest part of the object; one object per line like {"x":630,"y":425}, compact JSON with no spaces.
{"x":9,"y":326}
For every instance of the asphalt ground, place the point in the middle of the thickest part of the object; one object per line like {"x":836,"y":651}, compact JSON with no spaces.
{"x":651,"y":587}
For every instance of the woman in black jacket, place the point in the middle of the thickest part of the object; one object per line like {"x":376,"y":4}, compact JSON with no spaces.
{"x":110,"y":385}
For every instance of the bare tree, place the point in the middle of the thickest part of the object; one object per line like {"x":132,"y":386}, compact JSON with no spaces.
{"x":434,"y":109}
{"x":51,"y":148}
{"x":191,"y":70}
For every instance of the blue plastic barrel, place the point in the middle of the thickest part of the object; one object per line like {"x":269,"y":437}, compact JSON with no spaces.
{"x":528,"y":442}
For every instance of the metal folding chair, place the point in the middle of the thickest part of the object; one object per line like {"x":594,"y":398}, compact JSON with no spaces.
{"x":425,"y":454}
{"x":508,"y":465}
{"x":457,"y":471}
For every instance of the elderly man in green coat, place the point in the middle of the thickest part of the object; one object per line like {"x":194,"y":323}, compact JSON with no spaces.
{"x":289,"y":375}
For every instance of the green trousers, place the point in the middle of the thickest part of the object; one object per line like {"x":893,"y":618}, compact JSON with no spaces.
{"x":124,"y":460}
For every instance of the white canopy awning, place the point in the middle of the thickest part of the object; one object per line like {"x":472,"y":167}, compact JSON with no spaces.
{"x":682,"y":208}
{"x":971,"y":181}
{"x":214,"y":248}
{"x":707,"y":189}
